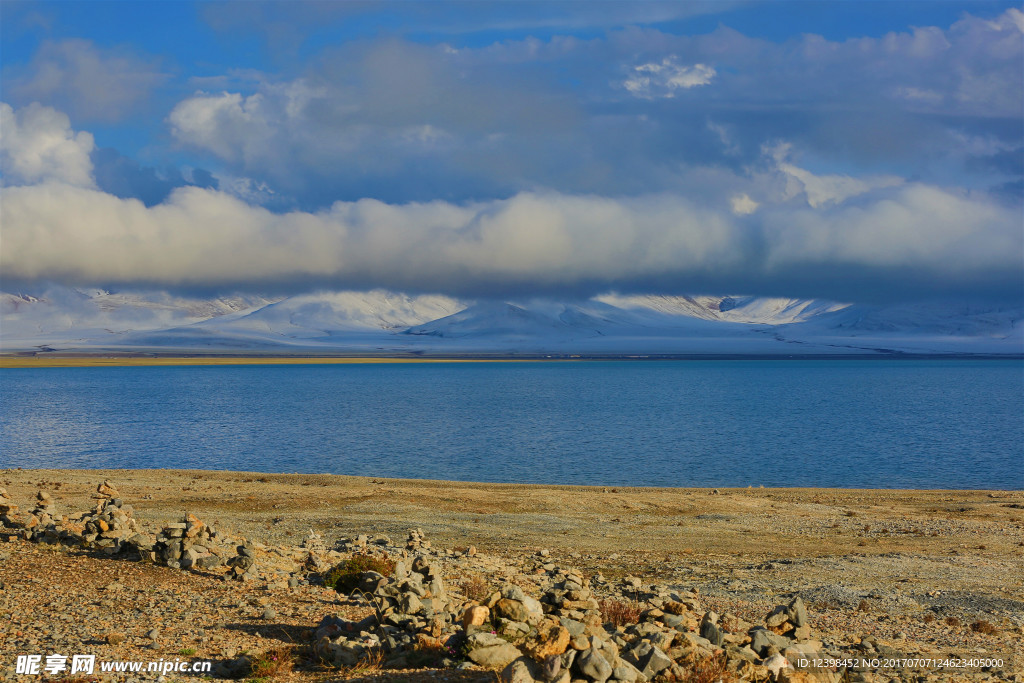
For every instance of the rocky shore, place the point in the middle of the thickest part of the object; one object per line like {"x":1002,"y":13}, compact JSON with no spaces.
{"x":314,"y":577}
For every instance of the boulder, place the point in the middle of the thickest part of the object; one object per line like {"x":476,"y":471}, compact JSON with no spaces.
{"x":521,"y":670}
{"x":593,"y":665}
{"x":648,"y":659}
{"x":551,"y":638}
{"x":495,"y":656}
{"x":476,"y":615}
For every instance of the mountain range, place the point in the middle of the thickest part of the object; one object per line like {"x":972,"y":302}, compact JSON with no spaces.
{"x":381,"y":322}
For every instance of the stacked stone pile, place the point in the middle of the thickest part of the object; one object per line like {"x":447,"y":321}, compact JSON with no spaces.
{"x":416,"y":540}
{"x":9,"y":517}
{"x":110,"y":527}
{"x":105,"y":528}
{"x":536,"y":622}
{"x":41,"y":516}
{"x":560,"y":637}
{"x":188,"y":544}
{"x":413,"y":607}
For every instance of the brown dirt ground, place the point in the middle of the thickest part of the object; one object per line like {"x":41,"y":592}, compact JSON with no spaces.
{"x":867,"y":561}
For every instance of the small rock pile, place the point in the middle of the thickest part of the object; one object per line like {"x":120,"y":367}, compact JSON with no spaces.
{"x":417,"y":540}
{"x":560,"y":637}
{"x":412,"y":608}
{"x":110,"y":528}
{"x":42,"y":514}
{"x":9,"y":517}
{"x":190,"y":543}
{"x":104,"y":528}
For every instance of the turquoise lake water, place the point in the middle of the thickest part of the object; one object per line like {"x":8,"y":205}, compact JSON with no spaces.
{"x":828,"y":423}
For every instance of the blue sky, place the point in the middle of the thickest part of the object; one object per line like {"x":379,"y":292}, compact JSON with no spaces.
{"x":852,"y":150}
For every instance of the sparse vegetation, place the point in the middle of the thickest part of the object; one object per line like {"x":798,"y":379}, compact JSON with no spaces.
{"x":429,"y":653}
{"x":369,"y":664}
{"x":187,"y":651}
{"x":713,"y":669}
{"x":984,"y":627}
{"x":952,"y":621}
{"x":475,"y":587}
{"x":928,"y":618}
{"x":864,"y":606}
{"x":619,"y":612}
{"x":273,"y":663}
{"x":344,"y":576}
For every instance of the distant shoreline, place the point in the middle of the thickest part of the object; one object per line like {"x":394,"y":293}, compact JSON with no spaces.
{"x":71,"y":360}
{"x":855,"y":494}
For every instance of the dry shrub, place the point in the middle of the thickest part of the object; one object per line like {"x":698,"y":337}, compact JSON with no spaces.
{"x":370,"y":664}
{"x":714,"y":669}
{"x":730,"y":623}
{"x":344,"y":576}
{"x":475,"y":587}
{"x":429,"y":653}
{"x":864,"y":606}
{"x":952,"y":621}
{"x":984,"y":627}
{"x":619,"y":612}
{"x":276,"y":662}
{"x":929,"y":618}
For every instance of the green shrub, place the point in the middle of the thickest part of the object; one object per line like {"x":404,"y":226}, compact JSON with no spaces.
{"x":344,"y":576}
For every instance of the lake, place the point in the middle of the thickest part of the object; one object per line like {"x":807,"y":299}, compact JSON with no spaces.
{"x":818,"y":423}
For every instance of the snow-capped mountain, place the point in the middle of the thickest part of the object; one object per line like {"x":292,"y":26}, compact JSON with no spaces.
{"x":386,"y":322}
{"x":68,"y":316}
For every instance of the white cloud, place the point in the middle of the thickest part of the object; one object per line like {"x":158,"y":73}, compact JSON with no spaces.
{"x":399,"y":120}
{"x":663,"y":80}
{"x":228,"y":124}
{"x":913,"y":227}
{"x":38,"y":144}
{"x":91,"y":82}
{"x":743,"y":205}
{"x":730,"y":146}
{"x":823,"y":190}
{"x":202,"y":237}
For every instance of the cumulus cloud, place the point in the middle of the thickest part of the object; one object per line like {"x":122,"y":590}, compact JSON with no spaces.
{"x":104,"y":84}
{"x":664,"y":79}
{"x":403,"y":121}
{"x":742,"y":204}
{"x":37,"y":144}
{"x":781,"y":230}
{"x":530,"y":242}
{"x":952,"y":234}
{"x":822,"y":190}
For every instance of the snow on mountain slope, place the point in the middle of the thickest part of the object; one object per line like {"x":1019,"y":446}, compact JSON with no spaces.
{"x":738,"y":309}
{"x":957,"y":318}
{"x":59,"y":314}
{"x":385,"y":322}
{"x":321,"y":316}
{"x":591,"y":326}
{"x":929,"y":327}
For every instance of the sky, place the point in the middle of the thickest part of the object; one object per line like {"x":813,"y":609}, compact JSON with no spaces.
{"x":850,"y":150}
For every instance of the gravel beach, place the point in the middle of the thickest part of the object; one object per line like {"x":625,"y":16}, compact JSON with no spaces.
{"x":915,"y":570}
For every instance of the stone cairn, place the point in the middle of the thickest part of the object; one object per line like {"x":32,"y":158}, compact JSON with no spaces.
{"x":416,"y":540}
{"x":110,"y":528}
{"x":559,"y":637}
{"x":9,"y":516}
{"x":105,"y":528}
{"x":187,"y":544}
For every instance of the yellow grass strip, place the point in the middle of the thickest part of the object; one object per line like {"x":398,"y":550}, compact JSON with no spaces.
{"x":127,"y":361}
